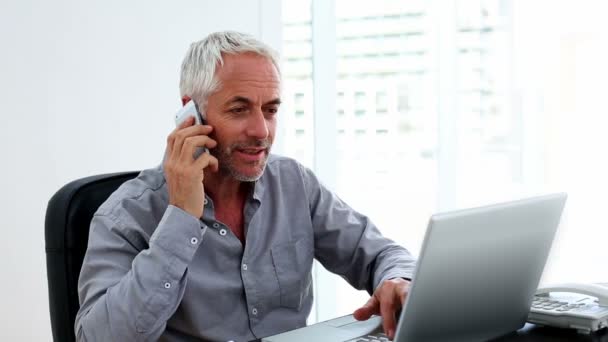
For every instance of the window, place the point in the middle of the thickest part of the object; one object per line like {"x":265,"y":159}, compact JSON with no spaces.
{"x":297,"y":86}
{"x":436,"y":105}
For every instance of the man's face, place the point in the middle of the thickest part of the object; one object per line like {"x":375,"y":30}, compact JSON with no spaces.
{"x":243,"y":114}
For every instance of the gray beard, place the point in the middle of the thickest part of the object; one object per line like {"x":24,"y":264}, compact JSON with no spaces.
{"x":229,"y":171}
{"x":227,"y":168}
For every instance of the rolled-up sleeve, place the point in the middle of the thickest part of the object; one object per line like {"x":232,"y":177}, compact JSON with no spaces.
{"x":349,"y":244}
{"x":127,"y":293}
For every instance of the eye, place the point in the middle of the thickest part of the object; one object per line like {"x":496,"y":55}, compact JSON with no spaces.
{"x":238,"y":110}
{"x":272,"y":110}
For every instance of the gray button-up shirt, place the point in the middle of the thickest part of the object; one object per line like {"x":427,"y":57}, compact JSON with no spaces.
{"x":154,"y":272}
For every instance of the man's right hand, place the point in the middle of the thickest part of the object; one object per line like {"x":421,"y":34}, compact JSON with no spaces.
{"x":185,"y":174}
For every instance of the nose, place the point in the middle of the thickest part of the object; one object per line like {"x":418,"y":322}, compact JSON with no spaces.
{"x":257,"y":127}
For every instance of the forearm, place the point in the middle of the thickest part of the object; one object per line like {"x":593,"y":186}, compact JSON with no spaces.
{"x":393,"y":262}
{"x":376,"y":259}
{"x":349,"y":244}
{"x":131,"y":298}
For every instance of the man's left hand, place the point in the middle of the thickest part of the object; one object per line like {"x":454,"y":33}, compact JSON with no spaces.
{"x":388,"y":298}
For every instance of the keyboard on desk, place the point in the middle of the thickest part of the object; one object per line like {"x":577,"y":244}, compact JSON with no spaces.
{"x":377,"y":337}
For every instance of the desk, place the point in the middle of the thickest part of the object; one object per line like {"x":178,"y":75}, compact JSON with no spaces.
{"x":532,"y":333}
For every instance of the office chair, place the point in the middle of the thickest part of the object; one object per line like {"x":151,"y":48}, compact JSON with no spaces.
{"x":66,"y":234}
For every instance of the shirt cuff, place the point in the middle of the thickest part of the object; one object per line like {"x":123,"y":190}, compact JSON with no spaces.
{"x":178,"y":234}
{"x":395,"y":274}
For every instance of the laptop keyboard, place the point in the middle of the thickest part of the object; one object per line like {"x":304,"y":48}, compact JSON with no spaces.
{"x":377,"y":337}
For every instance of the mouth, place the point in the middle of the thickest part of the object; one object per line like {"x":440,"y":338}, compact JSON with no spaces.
{"x":251,"y":154}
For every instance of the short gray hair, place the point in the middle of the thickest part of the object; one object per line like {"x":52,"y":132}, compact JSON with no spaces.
{"x":197,"y":79}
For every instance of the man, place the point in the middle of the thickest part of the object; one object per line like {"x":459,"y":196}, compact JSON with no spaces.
{"x":221,"y":247}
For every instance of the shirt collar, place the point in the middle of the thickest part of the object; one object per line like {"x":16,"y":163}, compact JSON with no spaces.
{"x":258,"y":188}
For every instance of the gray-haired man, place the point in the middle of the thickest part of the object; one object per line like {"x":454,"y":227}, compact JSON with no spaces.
{"x":221,"y":247}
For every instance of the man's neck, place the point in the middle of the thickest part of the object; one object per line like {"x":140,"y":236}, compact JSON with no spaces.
{"x":224,"y":189}
{"x":229,"y":196}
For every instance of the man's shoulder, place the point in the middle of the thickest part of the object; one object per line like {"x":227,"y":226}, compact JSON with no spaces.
{"x":282,"y":167}
{"x":282,"y":163}
{"x":142,"y":194}
{"x":288,"y":174}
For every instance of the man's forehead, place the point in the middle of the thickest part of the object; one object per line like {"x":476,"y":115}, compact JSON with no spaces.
{"x":247,"y":67}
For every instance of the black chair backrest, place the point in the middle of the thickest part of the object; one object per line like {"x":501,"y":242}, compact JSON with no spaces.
{"x":66,"y":234}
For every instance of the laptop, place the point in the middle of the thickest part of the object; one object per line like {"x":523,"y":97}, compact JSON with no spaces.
{"x":475,"y":278}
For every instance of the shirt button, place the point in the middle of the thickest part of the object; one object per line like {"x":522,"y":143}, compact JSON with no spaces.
{"x":216,"y":225}
{"x":194,"y":241}
{"x":222,"y":232}
{"x":254,"y":311}
{"x":244,"y":267}
{"x":205,"y":201}
{"x":167,"y":285}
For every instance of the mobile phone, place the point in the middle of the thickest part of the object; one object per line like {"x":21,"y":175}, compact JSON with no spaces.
{"x":190,"y":109}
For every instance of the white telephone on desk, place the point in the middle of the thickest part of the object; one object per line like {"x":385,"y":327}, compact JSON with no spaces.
{"x":583,"y":307}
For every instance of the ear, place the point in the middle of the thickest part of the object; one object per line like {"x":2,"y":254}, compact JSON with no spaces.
{"x":185,"y":99}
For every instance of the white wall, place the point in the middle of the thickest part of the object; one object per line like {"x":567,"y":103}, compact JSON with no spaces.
{"x":87,"y":87}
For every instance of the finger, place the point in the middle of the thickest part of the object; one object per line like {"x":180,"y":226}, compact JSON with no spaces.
{"x":403,"y":295}
{"x":206,"y":160}
{"x":188,"y":122}
{"x":214,"y":164}
{"x":370,"y":308}
{"x":171,"y":137}
{"x":387,"y":310}
{"x":194,"y":142}
{"x":181,"y":135}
